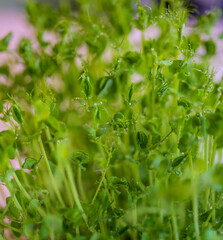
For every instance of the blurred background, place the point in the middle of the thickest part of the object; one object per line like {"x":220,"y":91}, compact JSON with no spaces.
{"x":202,"y":5}
{"x":13,"y":19}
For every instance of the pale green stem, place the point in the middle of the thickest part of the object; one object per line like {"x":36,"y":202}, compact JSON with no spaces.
{"x":74,"y":190}
{"x":9,"y":227}
{"x":48,"y":136}
{"x":80,"y":185}
{"x":20,"y":186}
{"x":174,"y":222}
{"x":20,"y":164}
{"x":101,"y":181}
{"x":194,"y":198}
{"x":134,"y":217}
{"x":54,"y":184}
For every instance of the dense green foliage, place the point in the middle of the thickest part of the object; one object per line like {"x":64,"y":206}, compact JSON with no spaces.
{"x":114,"y":140}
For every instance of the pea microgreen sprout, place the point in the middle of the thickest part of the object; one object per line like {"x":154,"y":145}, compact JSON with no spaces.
{"x":110,"y":137}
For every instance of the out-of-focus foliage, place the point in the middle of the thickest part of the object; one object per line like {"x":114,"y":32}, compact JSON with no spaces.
{"x":114,"y":140}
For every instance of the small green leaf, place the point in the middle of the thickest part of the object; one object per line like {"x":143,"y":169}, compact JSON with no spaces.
{"x":130,"y":93}
{"x":16,"y":114}
{"x":80,"y":157}
{"x":132,"y":58}
{"x":210,"y":47}
{"x":106,"y":88}
{"x":86,"y":87}
{"x":4,"y":42}
{"x":184,"y":103}
{"x":142,"y":139}
{"x":178,"y":160}
{"x":33,"y":208}
{"x":100,"y":115}
{"x":30,"y":163}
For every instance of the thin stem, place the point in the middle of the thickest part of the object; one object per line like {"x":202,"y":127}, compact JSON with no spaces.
{"x":69,"y":195}
{"x":174,"y":222}
{"x":20,"y":186}
{"x":134,"y":217}
{"x":74,"y":190}
{"x":20,"y":164}
{"x":194,"y":198}
{"x":9,"y":227}
{"x":206,"y":144}
{"x":48,"y":136}
{"x":213,"y":205}
{"x":57,"y":192}
{"x":80,"y":185}
{"x":101,"y":181}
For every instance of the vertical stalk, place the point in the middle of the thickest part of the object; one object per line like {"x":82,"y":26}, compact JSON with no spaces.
{"x":48,"y":136}
{"x":20,"y":186}
{"x":74,"y":190}
{"x":206,"y":155}
{"x":69,"y":195}
{"x":20,"y":164}
{"x":54,"y":184}
{"x":80,"y":185}
{"x":194,"y":198}
{"x":213,"y":191}
{"x":174,"y":222}
{"x":134,"y":218}
{"x":150,"y":173}
{"x":101,"y":181}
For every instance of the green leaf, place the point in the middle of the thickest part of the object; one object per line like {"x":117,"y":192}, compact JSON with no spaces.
{"x":132,"y":58}
{"x":210,"y":47}
{"x":100,"y":115}
{"x":4,"y":42}
{"x":16,"y":114}
{"x":80,"y":157}
{"x":142,"y":139}
{"x":33,"y":208}
{"x":178,"y":160}
{"x":86,"y":87}
{"x":142,"y":21}
{"x":30,"y":163}
{"x":130,"y":93}
{"x":184,"y":103}
{"x":177,"y":66}
{"x":106,"y":88}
